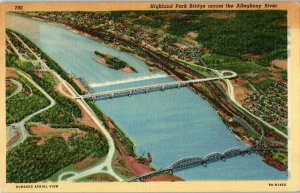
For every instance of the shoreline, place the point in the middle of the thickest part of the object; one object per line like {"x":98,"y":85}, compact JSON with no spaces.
{"x":102,"y":59}
{"x":118,"y":47}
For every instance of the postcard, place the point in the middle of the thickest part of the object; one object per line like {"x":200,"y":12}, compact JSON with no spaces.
{"x":150,"y":96}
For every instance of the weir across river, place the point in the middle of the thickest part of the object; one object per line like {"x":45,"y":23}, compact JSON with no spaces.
{"x":149,"y":88}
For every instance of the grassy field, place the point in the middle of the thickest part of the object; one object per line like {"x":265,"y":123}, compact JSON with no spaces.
{"x":242,"y":68}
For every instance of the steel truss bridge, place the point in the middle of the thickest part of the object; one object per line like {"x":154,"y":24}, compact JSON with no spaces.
{"x":146,"y":89}
{"x":201,"y":161}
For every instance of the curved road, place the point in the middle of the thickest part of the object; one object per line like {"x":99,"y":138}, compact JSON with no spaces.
{"x":21,"y":125}
{"x":105,"y":166}
{"x":231,"y":95}
{"x":108,"y":159}
{"x":19,"y":88}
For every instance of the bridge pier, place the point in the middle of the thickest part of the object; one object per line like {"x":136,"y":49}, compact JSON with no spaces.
{"x":146,"y":89}
{"x":200,"y":161}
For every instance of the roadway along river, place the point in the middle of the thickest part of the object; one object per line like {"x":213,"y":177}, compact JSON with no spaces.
{"x":171,"y":125}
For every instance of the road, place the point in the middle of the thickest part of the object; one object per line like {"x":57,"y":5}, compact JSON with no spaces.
{"x":21,"y":125}
{"x":148,"y":88}
{"x":232,"y":97}
{"x":103,"y":167}
{"x":15,"y":49}
{"x":19,"y":88}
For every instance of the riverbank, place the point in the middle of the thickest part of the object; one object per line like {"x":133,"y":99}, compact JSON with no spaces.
{"x":215,"y":104}
{"x":125,"y":152}
{"x":120,"y":47}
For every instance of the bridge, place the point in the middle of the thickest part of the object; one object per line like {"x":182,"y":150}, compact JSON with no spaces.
{"x":149,"y":88}
{"x":200,"y":161}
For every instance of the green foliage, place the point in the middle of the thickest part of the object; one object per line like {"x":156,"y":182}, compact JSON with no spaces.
{"x":234,"y":64}
{"x":30,"y":162}
{"x":49,"y":78}
{"x":23,"y":104}
{"x":264,"y":84}
{"x":170,"y":39}
{"x":56,"y":114}
{"x":265,"y":61}
{"x":125,"y":140}
{"x":27,"y":66}
{"x":114,"y":62}
{"x":65,"y":110}
{"x":11,"y":59}
{"x":281,"y":128}
{"x":177,"y":23}
{"x":50,"y":62}
{"x":283,"y":74}
{"x":149,"y":22}
{"x":281,"y":157}
{"x":249,"y":32}
{"x":96,"y":110}
{"x":11,"y":90}
{"x":100,"y":54}
{"x":118,"y":15}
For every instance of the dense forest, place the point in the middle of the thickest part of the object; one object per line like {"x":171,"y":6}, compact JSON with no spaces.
{"x":30,"y":162}
{"x":50,"y":62}
{"x":33,"y":161}
{"x":26,"y":102}
{"x":241,"y":33}
{"x":65,"y":110}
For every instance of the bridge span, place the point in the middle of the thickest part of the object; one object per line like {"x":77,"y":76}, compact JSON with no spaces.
{"x":149,"y":88}
{"x":200,"y":161}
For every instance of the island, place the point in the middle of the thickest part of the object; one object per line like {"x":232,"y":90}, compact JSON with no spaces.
{"x":114,"y":63}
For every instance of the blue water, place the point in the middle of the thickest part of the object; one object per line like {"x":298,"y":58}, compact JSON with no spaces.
{"x":170,"y":125}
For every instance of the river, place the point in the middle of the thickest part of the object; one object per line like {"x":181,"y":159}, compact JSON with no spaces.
{"x":171,"y":125}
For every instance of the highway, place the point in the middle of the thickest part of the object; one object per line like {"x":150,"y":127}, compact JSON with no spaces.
{"x":230,"y":93}
{"x":106,"y":164}
{"x":21,"y":125}
{"x":232,"y":97}
{"x":154,"y":87}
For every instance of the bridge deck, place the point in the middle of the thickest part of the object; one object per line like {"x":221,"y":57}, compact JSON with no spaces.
{"x":161,"y":86}
{"x":201,"y":161}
